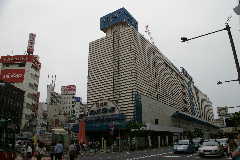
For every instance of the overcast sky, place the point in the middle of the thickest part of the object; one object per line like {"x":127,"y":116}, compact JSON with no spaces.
{"x":64,"y":29}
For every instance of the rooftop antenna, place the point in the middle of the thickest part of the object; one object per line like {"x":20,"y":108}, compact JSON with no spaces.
{"x":149,"y":33}
{"x":228,"y":19}
{"x":54,"y":81}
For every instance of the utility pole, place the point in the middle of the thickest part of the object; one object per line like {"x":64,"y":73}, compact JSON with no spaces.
{"x":227,"y":28}
{"x":233,"y":50}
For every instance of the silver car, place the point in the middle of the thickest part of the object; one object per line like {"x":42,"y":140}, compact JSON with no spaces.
{"x":183,"y":146}
{"x":211,"y":148}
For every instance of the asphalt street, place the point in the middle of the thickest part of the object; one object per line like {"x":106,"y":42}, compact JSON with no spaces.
{"x":155,"y":154}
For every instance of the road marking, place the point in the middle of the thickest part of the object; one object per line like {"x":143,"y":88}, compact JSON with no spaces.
{"x":189,"y":155}
{"x":153,"y":155}
{"x":171,"y":156}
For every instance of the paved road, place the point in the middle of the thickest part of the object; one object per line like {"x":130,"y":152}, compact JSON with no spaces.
{"x":156,"y":154}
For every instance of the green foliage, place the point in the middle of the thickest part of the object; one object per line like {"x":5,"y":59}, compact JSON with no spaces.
{"x":135,"y":125}
{"x":236,"y":119}
{"x":197,"y":132}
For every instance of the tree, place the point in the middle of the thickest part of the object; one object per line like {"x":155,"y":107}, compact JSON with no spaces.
{"x":135,"y":125}
{"x":234,"y":120}
{"x":197,"y":132}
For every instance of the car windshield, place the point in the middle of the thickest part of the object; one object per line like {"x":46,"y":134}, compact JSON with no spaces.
{"x":222,"y":140}
{"x":183,"y":142}
{"x":211,"y":143}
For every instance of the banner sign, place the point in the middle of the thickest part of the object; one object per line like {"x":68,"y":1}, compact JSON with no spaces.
{"x":31,"y":42}
{"x":68,"y":90}
{"x":13,"y":75}
{"x":78,"y":99}
{"x":21,"y":59}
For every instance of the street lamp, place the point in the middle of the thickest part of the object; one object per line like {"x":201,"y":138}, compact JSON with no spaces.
{"x":227,"y":28}
{"x":220,"y":82}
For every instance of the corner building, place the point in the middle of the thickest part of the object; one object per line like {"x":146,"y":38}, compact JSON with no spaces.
{"x":124,"y":64}
{"x":23,"y":71}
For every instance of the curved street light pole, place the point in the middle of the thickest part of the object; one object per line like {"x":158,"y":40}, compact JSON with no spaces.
{"x":220,"y":82}
{"x":227,"y":28}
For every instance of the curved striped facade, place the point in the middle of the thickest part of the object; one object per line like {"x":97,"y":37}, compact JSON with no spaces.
{"x":125,"y":62}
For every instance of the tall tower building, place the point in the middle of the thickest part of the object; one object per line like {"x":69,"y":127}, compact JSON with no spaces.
{"x":124,"y":65}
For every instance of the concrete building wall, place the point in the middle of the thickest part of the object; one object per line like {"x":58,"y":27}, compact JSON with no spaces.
{"x":56,"y":117}
{"x":153,"y":109}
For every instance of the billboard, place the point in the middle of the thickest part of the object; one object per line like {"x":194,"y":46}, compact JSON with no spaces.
{"x":12,"y":75}
{"x":21,"y":59}
{"x":31,"y":42}
{"x":68,"y":90}
{"x":78,"y":99}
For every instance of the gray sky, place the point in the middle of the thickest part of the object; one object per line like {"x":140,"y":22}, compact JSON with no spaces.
{"x":65,"y":27}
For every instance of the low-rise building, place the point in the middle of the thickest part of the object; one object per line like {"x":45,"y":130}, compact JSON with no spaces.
{"x":12,"y":103}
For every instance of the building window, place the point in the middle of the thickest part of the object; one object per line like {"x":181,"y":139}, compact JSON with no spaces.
{"x":21,"y":64}
{"x":184,"y":101}
{"x":112,"y":109}
{"x":156,"y":121}
{"x":182,"y":85}
{"x":184,"y":93}
{"x":158,"y":96}
{"x":104,"y":110}
{"x":154,"y":63}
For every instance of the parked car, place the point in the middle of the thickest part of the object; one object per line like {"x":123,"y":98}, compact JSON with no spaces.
{"x":197,"y":142}
{"x":183,"y":146}
{"x":211,"y":148}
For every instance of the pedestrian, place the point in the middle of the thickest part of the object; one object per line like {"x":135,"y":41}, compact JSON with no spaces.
{"x":232,"y":145}
{"x":40,"y":150}
{"x":58,"y":150}
{"x":78,"y":148}
{"x":52,"y":154}
{"x":19,"y":157}
{"x":29,"y":151}
{"x":72,"y":151}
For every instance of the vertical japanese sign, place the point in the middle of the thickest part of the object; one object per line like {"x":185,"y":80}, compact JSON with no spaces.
{"x":31,"y":42}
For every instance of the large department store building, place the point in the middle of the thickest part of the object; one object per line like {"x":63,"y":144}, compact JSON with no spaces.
{"x":127,"y":69}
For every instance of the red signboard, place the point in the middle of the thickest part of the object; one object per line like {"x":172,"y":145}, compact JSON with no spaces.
{"x":82,"y":133}
{"x":12,"y":75}
{"x":68,"y":90}
{"x":21,"y":59}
